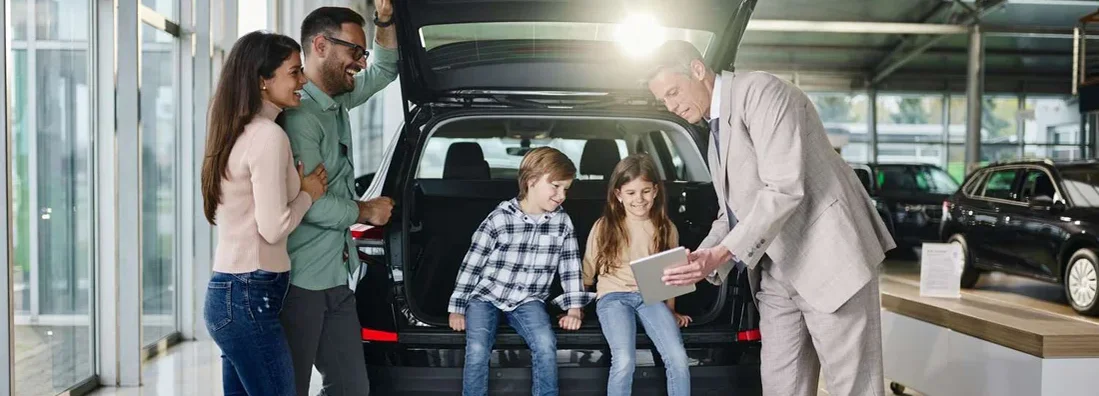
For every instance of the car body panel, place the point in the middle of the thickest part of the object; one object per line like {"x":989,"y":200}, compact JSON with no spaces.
{"x":1014,"y":234}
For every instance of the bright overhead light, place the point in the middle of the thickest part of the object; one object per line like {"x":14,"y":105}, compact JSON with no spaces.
{"x":639,"y":35}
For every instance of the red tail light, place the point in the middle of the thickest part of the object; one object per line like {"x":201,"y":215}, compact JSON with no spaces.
{"x":378,"y":335}
{"x":748,"y":335}
{"x":362,"y":231}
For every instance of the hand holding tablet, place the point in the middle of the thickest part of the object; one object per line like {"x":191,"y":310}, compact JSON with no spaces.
{"x":648,"y":272}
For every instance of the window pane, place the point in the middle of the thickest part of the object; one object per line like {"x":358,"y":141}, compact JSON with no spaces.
{"x":957,"y":118}
{"x":1056,"y":153}
{"x":991,"y":153}
{"x":1051,"y":120}
{"x":944,"y":183}
{"x":855,"y":152}
{"x":845,"y":117}
{"x":251,"y":16}
{"x":900,"y":153}
{"x":18,"y":17}
{"x":164,"y":7}
{"x":1038,"y":184}
{"x":159,"y":190}
{"x":501,"y":155}
{"x":955,"y":161}
{"x":51,"y":230}
{"x":999,"y":117}
{"x":910,"y":118}
{"x":1000,"y":185}
{"x":1082,"y":185}
{"x":62,"y":20}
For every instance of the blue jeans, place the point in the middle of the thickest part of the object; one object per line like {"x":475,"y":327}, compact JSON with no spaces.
{"x":532,"y":322}
{"x":242,"y":315}
{"x":617,"y":312}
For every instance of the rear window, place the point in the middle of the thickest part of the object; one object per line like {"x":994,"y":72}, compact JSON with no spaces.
{"x":923,"y":179}
{"x":452,"y":158}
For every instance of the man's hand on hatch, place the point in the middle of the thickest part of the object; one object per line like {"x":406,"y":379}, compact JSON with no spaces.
{"x":376,"y":211}
{"x":385,"y":9}
{"x":700,"y":264}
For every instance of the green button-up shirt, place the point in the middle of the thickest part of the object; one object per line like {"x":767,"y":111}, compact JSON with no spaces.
{"x":320,"y":132}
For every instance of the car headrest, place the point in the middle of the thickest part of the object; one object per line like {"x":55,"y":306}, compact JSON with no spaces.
{"x":1043,"y":186}
{"x":599,"y":158}
{"x":465,"y":160}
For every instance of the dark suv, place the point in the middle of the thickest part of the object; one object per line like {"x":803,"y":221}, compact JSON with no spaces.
{"x":909,"y":198}
{"x":483,"y":82}
{"x":1037,"y":219}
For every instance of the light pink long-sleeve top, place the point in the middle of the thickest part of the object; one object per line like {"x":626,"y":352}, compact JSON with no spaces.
{"x":261,"y":199}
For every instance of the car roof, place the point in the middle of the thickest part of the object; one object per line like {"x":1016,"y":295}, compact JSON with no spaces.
{"x":1045,"y":162}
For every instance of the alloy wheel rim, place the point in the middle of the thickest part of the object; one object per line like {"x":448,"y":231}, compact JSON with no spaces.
{"x":1082,"y":283}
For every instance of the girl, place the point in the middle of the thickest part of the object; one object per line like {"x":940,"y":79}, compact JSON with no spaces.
{"x":634,"y":225}
{"x":250,"y":187}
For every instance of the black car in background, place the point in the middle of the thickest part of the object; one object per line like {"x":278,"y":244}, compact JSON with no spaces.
{"x":909,"y":198}
{"x":1037,"y":219}
{"x":480,"y":89}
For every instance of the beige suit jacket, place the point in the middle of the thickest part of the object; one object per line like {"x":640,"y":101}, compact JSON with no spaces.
{"x":794,"y":197}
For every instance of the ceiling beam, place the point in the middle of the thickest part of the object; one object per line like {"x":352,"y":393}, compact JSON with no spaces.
{"x":890,"y":64}
{"x":855,"y":27}
{"x":838,"y":49}
{"x":792,"y":26}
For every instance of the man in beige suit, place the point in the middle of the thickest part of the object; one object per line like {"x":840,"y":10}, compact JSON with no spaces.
{"x":795,"y":215}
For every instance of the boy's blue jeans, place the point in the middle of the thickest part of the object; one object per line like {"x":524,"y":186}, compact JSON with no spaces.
{"x":532,"y":322}
{"x":617,"y":315}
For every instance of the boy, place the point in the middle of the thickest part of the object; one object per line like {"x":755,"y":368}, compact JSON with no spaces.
{"x":509,"y":268}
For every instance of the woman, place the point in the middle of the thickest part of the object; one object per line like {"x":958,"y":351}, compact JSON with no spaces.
{"x":251,"y":187}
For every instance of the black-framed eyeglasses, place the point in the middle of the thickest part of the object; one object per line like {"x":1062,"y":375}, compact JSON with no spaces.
{"x":357,"y":51}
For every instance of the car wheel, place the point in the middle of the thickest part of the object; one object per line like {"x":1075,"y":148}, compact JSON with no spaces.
{"x":970,"y":274}
{"x":1082,"y":282}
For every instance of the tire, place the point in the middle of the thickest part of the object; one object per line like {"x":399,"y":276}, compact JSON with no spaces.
{"x":1082,"y":282}
{"x":970,"y":274}
{"x":896,"y":388}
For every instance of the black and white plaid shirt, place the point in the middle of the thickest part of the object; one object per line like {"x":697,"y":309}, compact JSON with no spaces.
{"x":513,"y":259}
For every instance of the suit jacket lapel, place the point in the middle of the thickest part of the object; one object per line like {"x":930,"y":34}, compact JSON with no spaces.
{"x":724,"y":140}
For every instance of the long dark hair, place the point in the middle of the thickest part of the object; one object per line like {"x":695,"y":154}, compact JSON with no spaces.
{"x":237,"y":100}
{"x":612,"y":226}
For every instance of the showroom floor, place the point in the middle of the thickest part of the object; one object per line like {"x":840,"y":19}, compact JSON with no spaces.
{"x":193,"y":368}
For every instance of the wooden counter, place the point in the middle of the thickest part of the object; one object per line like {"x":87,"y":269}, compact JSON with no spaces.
{"x":1034,"y":327}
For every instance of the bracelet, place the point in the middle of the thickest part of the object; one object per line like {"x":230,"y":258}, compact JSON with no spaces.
{"x":379,"y":23}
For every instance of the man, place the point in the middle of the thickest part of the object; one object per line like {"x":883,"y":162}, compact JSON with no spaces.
{"x":795,"y":215}
{"x":319,"y":314}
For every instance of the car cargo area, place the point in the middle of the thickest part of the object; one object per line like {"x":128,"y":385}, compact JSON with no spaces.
{"x":468,"y":166}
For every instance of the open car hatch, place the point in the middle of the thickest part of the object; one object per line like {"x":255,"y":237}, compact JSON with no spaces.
{"x":558,"y":47}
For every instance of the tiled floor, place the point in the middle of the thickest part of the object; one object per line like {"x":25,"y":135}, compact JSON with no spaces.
{"x":193,"y":368}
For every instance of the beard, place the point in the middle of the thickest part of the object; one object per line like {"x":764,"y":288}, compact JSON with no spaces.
{"x":335,"y":77}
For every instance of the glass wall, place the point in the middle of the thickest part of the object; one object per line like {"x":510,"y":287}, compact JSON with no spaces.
{"x":845,"y":118}
{"x":930,"y":128}
{"x":51,"y":195}
{"x":160,"y":140}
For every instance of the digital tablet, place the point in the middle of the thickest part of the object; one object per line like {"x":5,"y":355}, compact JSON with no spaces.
{"x":648,"y":271}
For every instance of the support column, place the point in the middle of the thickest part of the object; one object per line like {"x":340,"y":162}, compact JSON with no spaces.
{"x":974,"y":93}
{"x":203,"y":237}
{"x":117,"y":191}
{"x":6,"y":328}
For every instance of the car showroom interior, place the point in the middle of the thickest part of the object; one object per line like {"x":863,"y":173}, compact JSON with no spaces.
{"x":453,"y":166}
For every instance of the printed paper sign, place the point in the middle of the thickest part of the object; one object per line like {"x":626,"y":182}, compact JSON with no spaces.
{"x":941,"y":270}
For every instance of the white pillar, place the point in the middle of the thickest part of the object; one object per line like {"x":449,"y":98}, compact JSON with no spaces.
{"x":118,"y":187}
{"x":6,"y":328}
